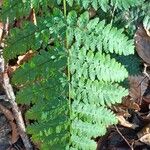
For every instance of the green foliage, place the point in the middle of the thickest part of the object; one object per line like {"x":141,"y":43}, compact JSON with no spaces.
{"x":94,"y":34}
{"x":104,"y":4}
{"x":74,"y":77}
{"x":50,"y":110}
{"x":93,"y":73}
{"x":10,"y":9}
{"x":25,"y":6}
{"x":18,"y":9}
{"x":146,"y":22}
{"x":20,"y":42}
{"x":130,"y":19}
{"x":34,"y":39}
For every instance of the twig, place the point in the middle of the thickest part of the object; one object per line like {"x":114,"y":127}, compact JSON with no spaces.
{"x":17,"y":114}
{"x":145,"y":71}
{"x":124,"y":138}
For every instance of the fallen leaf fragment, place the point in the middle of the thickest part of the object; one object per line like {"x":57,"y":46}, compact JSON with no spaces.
{"x":1,"y":30}
{"x":138,"y":86}
{"x":144,"y":135}
{"x":27,"y":56}
{"x":8,"y":114}
{"x":145,"y":139}
{"x":12,"y":69}
{"x":21,"y":59}
{"x":122,"y":109}
{"x":17,"y":23}
{"x":1,"y":2}
{"x":130,"y":104}
{"x":147,"y":99}
{"x":32,"y":16}
{"x":14,"y":134}
{"x":142,"y":44}
{"x":125,"y":123}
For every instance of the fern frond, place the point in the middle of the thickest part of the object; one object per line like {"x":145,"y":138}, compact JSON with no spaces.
{"x":51,"y":135}
{"x":48,"y":111}
{"x":95,"y":34}
{"x":35,"y":89}
{"x":82,"y":143}
{"x":10,"y":8}
{"x":96,"y":92}
{"x":23,"y":39}
{"x":104,"y":4}
{"x":125,"y":4}
{"x":20,"y":42}
{"x":89,"y":65}
{"x":93,"y":74}
{"x":146,"y":22}
{"x":93,"y":114}
{"x":91,"y":122}
{"x":30,"y":71}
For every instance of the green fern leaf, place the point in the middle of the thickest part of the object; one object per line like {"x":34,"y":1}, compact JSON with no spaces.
{"x":94,"y":74}
{"x":93,"y":33}
{"x":105,"y":4}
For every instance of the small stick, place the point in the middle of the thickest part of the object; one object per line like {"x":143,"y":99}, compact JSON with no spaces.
{"x":32,"y":16}
{"x":17,"y":113}
{"x":145,"y":71}
{"x":124,"y":138}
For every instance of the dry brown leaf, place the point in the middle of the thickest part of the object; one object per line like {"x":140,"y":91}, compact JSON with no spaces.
{"x":147,"y":98}
{"x":15,"y":133}
{"x":27,"y":56}
{"x":147,"y":31}
{"x":138,"y":86}
{"x":32,"y":16}
{"x":130,"y":104}
{"x":17,"y":23}
{"x":121,"y":111}
{"x":125,"y":123}
{"x":142,"y":44}
{"x":1,"y":30}
{"x":145,"y":130}
{"x":92,"y":12}
{"x":1,"y":3}
{"x":127,"y":103}
{"x":12,"y":69}
{"x":8,"y":114}
{"x":145,"y":139}
{"x":144,"y":135}
{"x":21,"y":59}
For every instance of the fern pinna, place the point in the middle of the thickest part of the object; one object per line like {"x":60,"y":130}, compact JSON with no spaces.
{"x":68,"y":106}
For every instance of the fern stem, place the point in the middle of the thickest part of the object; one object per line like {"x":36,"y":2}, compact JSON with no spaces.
{"x":68,"y":63}
{"x":113,"y":13}
{"x":65,"y":9}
